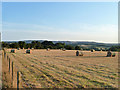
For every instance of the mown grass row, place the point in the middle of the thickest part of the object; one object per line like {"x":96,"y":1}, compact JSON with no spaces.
{"x":60,"y":73}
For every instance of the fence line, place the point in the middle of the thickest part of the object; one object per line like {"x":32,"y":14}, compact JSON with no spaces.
{"x":12,"y":71}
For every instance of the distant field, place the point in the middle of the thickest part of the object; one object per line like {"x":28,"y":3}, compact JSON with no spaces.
{"x":56,"y":68}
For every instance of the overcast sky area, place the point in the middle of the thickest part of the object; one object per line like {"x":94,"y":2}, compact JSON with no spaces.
{"x":71,"y":21}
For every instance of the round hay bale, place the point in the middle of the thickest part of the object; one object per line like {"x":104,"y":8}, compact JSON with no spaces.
{"x":77,"y":53}
{"x":28,"y":51}
{"x":48,"y":49}
{"x":109,"y":54}
{"x":13,"y":51}
{"x":63,"y":49}
{"x":81,"y":54}
{"x":92,"y":50}
{"x":113,"y":55}
{"x":18,"y":48}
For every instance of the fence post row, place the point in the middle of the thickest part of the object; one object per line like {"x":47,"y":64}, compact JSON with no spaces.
{"x":12,"y":67}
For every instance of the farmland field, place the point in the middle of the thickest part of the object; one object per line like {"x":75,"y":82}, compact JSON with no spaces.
{"x":62,"y":69}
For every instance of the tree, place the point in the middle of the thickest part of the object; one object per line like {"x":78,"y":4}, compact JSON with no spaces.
{"x":69,"y":47}
{"x":4,"y":44}
{"x":28,"y":45}
{"x":21,"y":44}
{"x":39,"y":45}
{"x":14,"y":45}
{"x":33,"y":44}
{"x":77,"y":48}
{"x":60,"y":45}
{"x":114,"y":48}
{"x":47,"y":44}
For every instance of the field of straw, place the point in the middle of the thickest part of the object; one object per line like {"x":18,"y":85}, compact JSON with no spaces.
{"x":63,"y":69}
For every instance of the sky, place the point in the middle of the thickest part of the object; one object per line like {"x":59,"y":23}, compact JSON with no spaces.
{"x":64,"y":21}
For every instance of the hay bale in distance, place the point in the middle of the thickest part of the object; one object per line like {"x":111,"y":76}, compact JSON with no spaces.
{"x":113,"y":55}
{"x":81,"y":54}
{"x":92,"y":50}
{"x":77,"y":53}
{"x":109,"y":54}
{"x":13,"y":51}
{"x":18,"y":48}
{"x":28,"y":51}
{"x":63,"y":49}
{"x":48,"y":49}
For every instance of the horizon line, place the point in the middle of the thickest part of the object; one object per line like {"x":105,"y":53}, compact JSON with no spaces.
{"x":63,"y":40}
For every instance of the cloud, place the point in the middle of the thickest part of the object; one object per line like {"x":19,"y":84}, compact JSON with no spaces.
{"x":104,"y":33}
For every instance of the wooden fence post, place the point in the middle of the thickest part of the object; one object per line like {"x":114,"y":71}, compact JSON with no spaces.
{"x":12,"y":69}
{"x":9,"y":65}
{"x":18,"y":79}
{"x":7,"y":57}
{"x":3,"y":53}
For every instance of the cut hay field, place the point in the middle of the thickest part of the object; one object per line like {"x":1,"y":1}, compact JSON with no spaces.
{"x":62,"y":69}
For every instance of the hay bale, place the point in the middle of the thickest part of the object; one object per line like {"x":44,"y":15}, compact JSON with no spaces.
{"x":48,"y":49}
{"x":63,"y":49}
{"x":113,"y":55}
{"x":28,"y":51}
{"x":92,"y":50}
{"x":18,"y":48}
{"x":109,"y":54}
{"x":32,"y":48}
{"x":77,"y":53}
{"x":13,"y":51}
{"x":81,"y":54}
{"x":81,"y":49}
{"x":32,"y":65}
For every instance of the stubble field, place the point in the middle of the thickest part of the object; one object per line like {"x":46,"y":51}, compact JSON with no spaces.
{"x":62,"y":69}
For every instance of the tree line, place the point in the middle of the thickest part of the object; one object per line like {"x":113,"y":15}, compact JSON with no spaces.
{"x":51,"y":45}
{"x":115,"y":48}
{"x":39,"y":45}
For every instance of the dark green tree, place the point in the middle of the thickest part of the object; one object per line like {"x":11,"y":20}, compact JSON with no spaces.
{"x":14,"y":45}
{"x":39,"y":45}
{"x":21,"y":44}
{"x":47,"y":44}
{"x":28,"y":45}
{"x":33,"y":44}
{"x":69,"y":47}
{"x":60,"y":45}
{"x":77,"y":48}
{"x":4,"y":44}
